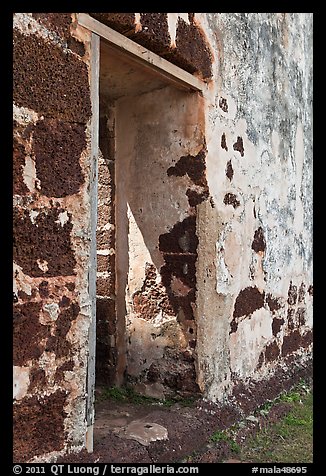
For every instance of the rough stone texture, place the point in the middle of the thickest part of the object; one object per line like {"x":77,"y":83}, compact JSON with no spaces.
{"x":39,"y":426}
{"x":122,"y":22}
{"x":49,"y":80}
{"x":190,"y":50}
{"x":154,"y":34}
{"x":57,"y":146}
{"x":51,"y":234}
{"x":28,"y":333}
{"x":45,"y":241}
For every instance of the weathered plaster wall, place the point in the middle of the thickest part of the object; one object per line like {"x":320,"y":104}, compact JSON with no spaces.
{"x":259,"y":171}
{"x":52,"y":112}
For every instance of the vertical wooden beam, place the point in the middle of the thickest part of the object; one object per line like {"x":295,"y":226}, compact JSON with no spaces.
{"x":95,"y":65}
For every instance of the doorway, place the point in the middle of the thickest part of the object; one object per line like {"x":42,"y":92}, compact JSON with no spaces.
{"x":149,"y":179}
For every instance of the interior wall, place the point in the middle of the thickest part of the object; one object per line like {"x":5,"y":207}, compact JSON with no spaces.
{"x":160,"y":178}
{"x":106,"y":328}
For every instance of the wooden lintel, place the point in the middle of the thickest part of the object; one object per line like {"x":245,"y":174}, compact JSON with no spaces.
{"x":142,"y":55}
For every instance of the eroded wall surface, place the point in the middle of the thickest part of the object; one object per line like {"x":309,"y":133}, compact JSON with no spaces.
{"x":219,"y":217}
{"x":52,"y":111}
{"x":253,"y":227}
{"x":256,"y":306}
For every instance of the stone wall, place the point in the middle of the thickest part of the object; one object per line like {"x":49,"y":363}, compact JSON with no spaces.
{"x":52,"y":112}
{"x":219,"y":215}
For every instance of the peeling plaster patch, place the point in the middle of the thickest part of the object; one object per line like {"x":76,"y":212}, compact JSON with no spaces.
{"x":43,"y":265}
{"x":32,"y":215}
{"x":29,"y":174}
{"x":21,"y":281}
{"x":231,"y":199}
{"x":21,"y":382}
{"x":64,"y":79}
{"x":24,"y":115}
{"x":248,"y":301}
{"x":62,"y":218}
{"x":223,"y":142}
{"x":53,"y":310}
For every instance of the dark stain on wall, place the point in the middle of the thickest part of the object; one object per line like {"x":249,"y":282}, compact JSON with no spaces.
{"x":272,"y":352}
{"x":57,"y":146}
{"x":57,"y":343}
{"x":302,"y":293}
{"x":223,"y":142}
{"x":37,"y":379}
{"x":295,"y":340}
{"x":307,"y":339}
{"x":259,"y":243}
{"x":193,"y":166}
{"x":311,"y":290}
{"x":124,"y":23}
{"x":43,"y":289}
{"x":223,"y":104}
{"x":195,"y":198}
{"x":27,"y":332}
{"x":292,"y":294}
{"x":291,"y":319}
{"x":19,"y":186}
{"x":301,"y":316}
{"x":48,"y":80}
{"x":76,"y":46}
{"x":229,"y":170}
{"x":179,"y":248}
{"x":249,"y":300}
{"x":45,"y":240}
{"x":106,"y":355}
{"x":38,"y":426}
{"x":231,"y":199}
{"x":276,"y":325}
{"x":177,"y":371}
{"x":251,"y":395}
{"x":273,"y":303}
{"x":238,"y":146}
{"x":181,"y":238}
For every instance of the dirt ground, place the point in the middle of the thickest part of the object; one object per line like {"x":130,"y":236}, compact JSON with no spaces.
{"x":153,"y":433}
